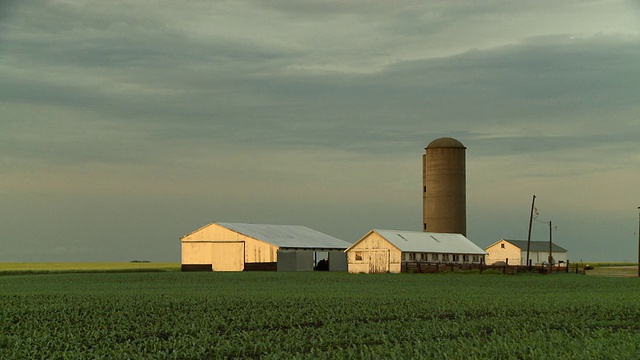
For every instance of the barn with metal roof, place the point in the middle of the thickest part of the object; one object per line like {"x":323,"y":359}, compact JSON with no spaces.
{"x":382,"y":251}
{"x":241,"y":247}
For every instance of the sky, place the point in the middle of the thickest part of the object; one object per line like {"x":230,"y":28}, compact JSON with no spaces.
{"x":125,"y":125}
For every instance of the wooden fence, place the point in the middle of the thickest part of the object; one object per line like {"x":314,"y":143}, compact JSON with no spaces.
{"x":432,"y":268}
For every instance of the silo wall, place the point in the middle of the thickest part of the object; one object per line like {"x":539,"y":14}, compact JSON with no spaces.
{"x":444,"y":198}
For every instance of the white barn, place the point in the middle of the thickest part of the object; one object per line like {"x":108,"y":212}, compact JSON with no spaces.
{"x":241,"y":247}
{"x":514,"y":252}
{"x":382,"y":251}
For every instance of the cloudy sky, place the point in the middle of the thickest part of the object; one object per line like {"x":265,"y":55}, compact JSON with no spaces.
{"x":127,"y":124}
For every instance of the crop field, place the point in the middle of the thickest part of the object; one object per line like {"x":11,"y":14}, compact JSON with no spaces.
{"x":270,"y":315}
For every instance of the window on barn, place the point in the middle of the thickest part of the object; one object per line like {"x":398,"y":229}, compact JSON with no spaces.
{"x":455,"y":258}
{"x":358,"y":256}
{"x":412,"y":256}
{"x":445,"y":257}
{"x":465,"y":258}
{"x":502,"y":246}
{"x":434,"y":257}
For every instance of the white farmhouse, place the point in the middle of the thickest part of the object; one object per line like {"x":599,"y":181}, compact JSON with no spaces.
{"x":514,"y":252}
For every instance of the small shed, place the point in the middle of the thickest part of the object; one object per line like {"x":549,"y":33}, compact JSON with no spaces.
{"x":381,"y":251}
{"x":514,"y":252}
{"x":244,"y":247}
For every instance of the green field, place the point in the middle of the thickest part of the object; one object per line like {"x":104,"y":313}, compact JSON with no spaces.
{"x":175,"y":315}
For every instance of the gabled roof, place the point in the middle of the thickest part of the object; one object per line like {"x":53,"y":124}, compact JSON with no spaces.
{"x":418,"y":241}
{"x":288,"y":236}
{"x":536,"y":246}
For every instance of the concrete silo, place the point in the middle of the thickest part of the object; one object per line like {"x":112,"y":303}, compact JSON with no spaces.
{"x":444,"y":196}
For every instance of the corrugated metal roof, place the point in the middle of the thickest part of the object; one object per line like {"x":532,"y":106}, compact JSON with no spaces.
{"x":288,"y":236}
{"x":418,"y":241}
{"x":537,"y":246}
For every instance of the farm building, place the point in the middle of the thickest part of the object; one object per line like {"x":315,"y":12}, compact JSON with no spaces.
{"x":241,"y":247}
{"x":514,"y":252}
{"x":382,"y":251}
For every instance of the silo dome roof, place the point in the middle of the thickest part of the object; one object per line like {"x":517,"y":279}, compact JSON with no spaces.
{"x":445,"y":142}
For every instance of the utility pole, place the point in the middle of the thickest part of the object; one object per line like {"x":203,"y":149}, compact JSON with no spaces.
{"x":529,"y":235}
{"x":638,"y":241}
{"x":550,"y":244}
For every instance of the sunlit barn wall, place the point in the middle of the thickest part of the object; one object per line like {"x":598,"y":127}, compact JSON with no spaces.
{"x":374,"y":254}
{"x":504,"y":251}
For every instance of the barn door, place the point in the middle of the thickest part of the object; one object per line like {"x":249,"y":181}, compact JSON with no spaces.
{"x":378,"y":261}
{"x":228,"y":256}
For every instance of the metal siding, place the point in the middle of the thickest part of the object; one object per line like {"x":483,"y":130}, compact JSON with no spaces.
{"x":286,"y":260}
{"x":295,"y":260}
{"x":337,"y":261}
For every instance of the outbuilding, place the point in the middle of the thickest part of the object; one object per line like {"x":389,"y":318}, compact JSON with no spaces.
{"x":514,"y":252}
{"x":381,"y":251}
{"x":243,"y":247}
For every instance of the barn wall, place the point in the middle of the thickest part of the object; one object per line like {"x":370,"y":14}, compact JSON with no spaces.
{"x":559,"y":256}
{"x":497,"y":253}
{"x":213,"y":232}
{"x":373,"y":254}
{"x":258,"y":251}
{"x":196,"y":253}
{"x":539,"y":257}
